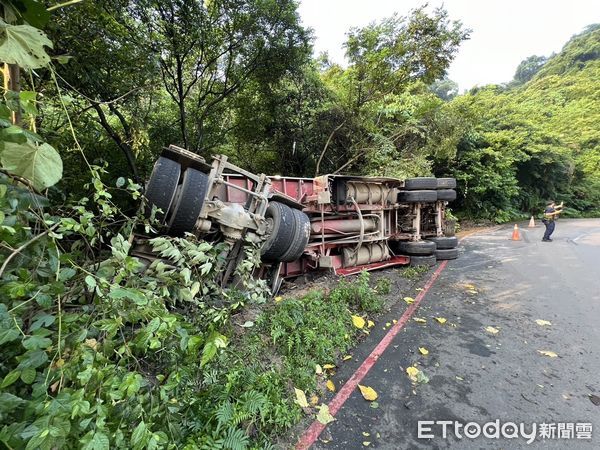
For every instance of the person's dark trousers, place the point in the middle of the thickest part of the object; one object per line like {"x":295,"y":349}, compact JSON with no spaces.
{"x":549,"y":230}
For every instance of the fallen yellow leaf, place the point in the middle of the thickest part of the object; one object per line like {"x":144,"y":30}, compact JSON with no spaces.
{"x":388,"y":324}
{"x":318,"y":369}
{"x":365,"y":434}
{"x":418,"y":289}
{"x":441,"y":320}
{"x":370,"y":324}
{"x":423,"y":351}
{"x":278,"y":299}
{"x":358,"y":322}
{"x":91,"y":343}
{"x":459,"y":378}
{"x":324,"y":416}
{"x":469,"y":286}
{"x":409,"y":300}
{"x":548,"y":353}
{"x":412,"y":372}
{"x":472,"y":291}
{"x":347,"y":357}
{"x":314,"y":400}
{"x":330,"y":385}
{"x":368,"y":392}
{"x":366,"y":443}
{"x":328,"y":366}
{"x":300,"y":398}
{"x":395,"y":321}
{"x":492,"y":330}
{"x":541,"y":322}
{"x":419,"y":320}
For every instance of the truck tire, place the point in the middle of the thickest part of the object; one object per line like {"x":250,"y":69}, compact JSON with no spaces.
{"x":444,"y":242}
{"x":300,"y":238}
{"x":283,"y":229}
{"x":446,"y":183}
{"x":162,"y":186}
{"x":420,"y":183}
{"x":417,"y":196}
{"x":423,"y":261}
{"x":446,"y":194}
{"x":189,"y":202}
{"x":446,"y":253}
{"x":417,"y":247}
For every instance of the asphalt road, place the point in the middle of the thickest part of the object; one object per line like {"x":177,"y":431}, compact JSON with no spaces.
{"x":477,"y":376}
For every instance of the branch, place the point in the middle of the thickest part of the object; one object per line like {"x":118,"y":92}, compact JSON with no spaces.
{"x":115,"y":136}
{"x":326,"y":145}
{"x":29,"y":242}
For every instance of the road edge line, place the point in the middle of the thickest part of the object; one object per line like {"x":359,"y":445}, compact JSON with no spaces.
{"x":312,"y":433}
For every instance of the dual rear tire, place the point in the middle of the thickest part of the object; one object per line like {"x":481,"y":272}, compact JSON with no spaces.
{"x":427,"y":189}
{"x":289,"y":233}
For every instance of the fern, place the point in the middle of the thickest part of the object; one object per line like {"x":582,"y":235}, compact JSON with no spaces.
{"x":224,"y":414}
{"x":253,"y":402}
{"x":235,"y":439}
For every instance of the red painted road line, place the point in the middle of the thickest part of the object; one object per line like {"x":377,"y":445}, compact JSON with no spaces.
{"x":312,"y":433}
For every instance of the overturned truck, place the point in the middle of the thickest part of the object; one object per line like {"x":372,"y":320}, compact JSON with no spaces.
{"x":346,"y":224}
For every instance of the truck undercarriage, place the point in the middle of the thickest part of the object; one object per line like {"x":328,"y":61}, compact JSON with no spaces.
{"x":346,"y":224}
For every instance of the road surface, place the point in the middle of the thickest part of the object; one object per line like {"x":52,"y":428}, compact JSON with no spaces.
{"x":478,"y":376}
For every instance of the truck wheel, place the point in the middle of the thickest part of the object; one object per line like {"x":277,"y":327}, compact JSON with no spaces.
{"x":162,"y":186}
{"x":282,"y":222}
{"x":446,"y":253}
{"x":444,"y":242}
{"x":417,"y":247}
{"x":189,"y":202}
{"x":422,"y":261}
{"x":300,"y":239}
{"x":420,"y":183}
{"x":417,"y":196}
{"x":446,"y":183}
{"x":446,"y":194}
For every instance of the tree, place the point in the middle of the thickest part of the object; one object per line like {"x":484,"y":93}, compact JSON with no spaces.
{"x":445,"y":88}
{"x":186,"y":57}
{"x":390,"y":118}
{"x":527,"y":69}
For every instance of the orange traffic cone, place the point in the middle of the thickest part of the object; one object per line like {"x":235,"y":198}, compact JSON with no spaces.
{"x":516,"y":236}
{"x":531,"y":222}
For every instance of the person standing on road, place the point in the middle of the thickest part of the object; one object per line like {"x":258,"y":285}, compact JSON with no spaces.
{"x":550,"y":215}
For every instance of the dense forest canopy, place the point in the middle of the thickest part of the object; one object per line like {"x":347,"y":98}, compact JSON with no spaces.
{"x":237,"y":77}
{"x":99,"y":351}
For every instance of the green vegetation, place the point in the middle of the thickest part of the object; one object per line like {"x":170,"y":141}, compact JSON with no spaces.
{"x":101,"y":349}
{"x":414,"y":272}
{"x":537,"y":141}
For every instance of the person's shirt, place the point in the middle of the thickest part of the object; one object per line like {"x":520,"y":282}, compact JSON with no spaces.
{"x":548,"y":213}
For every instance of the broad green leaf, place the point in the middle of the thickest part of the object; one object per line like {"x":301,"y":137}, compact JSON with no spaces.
{"x":138,"y":437}
{"x":39,"y":163}
{"x":10,"y":378}
{"x":36,"y":342}
{"x":99,"y":441}
{"x":214,"y":342}
{"x":28,"y":375}
{"x":34,"y":12}
{"x":9,"y":401}
{"x":133,"y":294}
{"x":90,"y":281}
{"x":23,"y":45}
{"x":8,"y":335}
